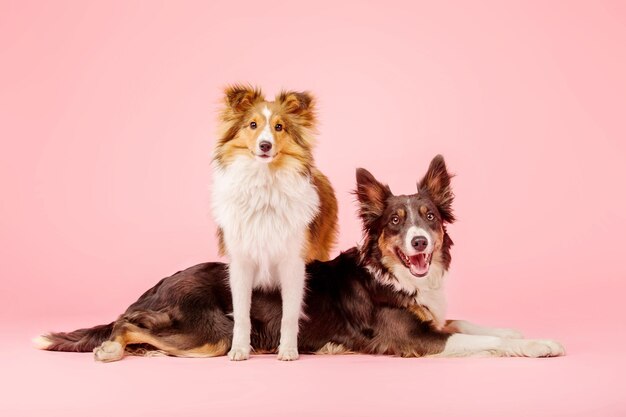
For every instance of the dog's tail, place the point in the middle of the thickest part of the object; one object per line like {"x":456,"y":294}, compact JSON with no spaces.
{"x":81,"y":340}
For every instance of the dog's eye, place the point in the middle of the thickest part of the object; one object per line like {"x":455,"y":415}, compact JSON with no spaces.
{"x":278,"y":127}
{"x":395,"y":220}
{"x":252,"y":125}
{"x":430,"y":217}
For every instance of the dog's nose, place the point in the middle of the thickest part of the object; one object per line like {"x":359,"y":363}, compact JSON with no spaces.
{"x":265,"y":146}
{"x":419,"y":243}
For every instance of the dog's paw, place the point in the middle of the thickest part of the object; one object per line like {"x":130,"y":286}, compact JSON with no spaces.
{"x":505,"y":333}
{"x":239,"y":353}
{"x":542,"y":348}
{"x":108,"y":351}
{"x":288,"y":354}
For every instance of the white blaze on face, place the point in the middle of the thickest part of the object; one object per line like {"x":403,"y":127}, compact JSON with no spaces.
{"x":415,"y":231}
{"x":266,"y":134}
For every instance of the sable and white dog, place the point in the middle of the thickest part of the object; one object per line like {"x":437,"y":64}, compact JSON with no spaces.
{"x":275,"y":211}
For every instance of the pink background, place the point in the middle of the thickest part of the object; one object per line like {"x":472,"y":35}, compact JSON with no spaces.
{"x":108,"y":119}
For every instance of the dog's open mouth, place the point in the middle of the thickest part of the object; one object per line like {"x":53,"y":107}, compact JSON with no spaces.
{"x":418,"y":264}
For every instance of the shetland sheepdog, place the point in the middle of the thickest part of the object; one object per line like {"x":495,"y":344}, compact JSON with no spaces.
{"x":275,"y":211}
{"x":384,"y":296}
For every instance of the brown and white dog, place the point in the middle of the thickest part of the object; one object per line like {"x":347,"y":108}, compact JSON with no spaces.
{"x":383,"y":297}
{"x":275,"y":211}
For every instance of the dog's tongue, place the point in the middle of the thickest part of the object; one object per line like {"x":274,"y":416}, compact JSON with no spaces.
{"x":418,"y":264}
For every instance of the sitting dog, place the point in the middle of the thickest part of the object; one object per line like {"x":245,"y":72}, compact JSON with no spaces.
{"x":383,"y":297}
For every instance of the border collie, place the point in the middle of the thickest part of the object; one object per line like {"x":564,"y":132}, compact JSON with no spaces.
{"x":382,"y":297}
{"x":275,"y":211}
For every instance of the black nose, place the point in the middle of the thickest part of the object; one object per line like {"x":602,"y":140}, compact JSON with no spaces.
{"x":265,"y":146}
{"x":419,"y":242}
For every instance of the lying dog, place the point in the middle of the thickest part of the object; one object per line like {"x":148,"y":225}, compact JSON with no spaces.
{"x":384,"y":297}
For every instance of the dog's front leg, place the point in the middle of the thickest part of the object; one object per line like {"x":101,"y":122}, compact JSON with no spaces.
{"x":241,"y":274}
{"x":465,"y":327}
{"x":291,"y":272}
{"x":459,"y":344}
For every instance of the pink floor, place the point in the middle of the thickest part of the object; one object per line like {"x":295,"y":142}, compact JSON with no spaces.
{"x":588,"y":382}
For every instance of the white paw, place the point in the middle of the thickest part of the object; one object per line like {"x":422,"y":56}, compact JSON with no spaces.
{"x":542,"y":348}
{"x":239,"y":353}
{"x":288,"y":354}
{"x":108,"y":351}
{"x":505,"y":333}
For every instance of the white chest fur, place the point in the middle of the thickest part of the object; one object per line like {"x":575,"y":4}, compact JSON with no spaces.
{"x":263,"y":213}
{"x":429,"y":290}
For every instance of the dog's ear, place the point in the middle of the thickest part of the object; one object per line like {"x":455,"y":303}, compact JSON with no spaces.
{"x":240,"y":98}
{"x":300,"y":105}
{"x":372,"y":196}
{"x":436,"y":183}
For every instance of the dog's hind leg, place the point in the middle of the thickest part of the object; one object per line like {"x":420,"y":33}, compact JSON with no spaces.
{"x":465,"y":327}
{"x":155,"y":329}
{"x":130,"y":328}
